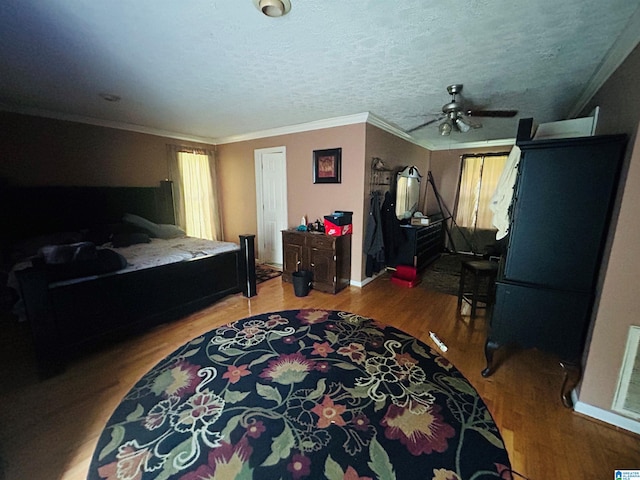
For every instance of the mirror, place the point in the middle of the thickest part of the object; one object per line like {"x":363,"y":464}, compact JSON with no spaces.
{"x":407,"y":192}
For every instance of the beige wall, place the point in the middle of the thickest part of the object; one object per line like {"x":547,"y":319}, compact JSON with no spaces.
{"x":238,"y":190}
{"x":619,"y":100}
{"x":617,"y":306}
{"x":359,"y":144}
{"x":395,"y":152}
{"x":41,"y":151}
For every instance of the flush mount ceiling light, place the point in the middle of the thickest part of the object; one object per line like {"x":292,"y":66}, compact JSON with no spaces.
{"x":273,"y":8}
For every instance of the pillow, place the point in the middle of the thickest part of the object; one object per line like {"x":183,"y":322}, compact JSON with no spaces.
{"x":101,"y":234}
{"x":164,"y":231}
{"x":139,"y":222}
{"x":125,"y":239}
{"x":167,"y":231}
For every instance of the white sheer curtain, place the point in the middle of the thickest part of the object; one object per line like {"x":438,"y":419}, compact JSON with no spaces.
{"x":491,"y":172}
{"x":194,"y":177}
{"x":469,"y":192}
{"x":478,"y":182}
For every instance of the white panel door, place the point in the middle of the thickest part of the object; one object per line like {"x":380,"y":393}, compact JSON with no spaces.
{"x":271,"y":197}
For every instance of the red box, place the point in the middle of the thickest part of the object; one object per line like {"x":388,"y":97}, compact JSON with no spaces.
{"x":334,"y":230}
{"x":405,"y":276}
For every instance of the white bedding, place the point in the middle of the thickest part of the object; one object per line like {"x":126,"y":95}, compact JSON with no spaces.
{"x":148,"y":255}
{"x":162,"y":252}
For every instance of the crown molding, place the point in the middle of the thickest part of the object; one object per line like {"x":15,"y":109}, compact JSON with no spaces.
{"x":481,"y":144}
{"x":617,"y":54}
{"x":301,"y":127}
{"x":364,"y":117}
{"x":107,"y":123}
{"x":378,"y":122}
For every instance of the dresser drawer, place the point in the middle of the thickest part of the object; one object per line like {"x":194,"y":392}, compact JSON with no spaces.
{"x":293,"y":238}
{"x":318,"y":240}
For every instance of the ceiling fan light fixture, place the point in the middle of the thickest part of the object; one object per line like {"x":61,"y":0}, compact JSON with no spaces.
{"x":273,"y":8}
{"x":445,"y":128}
{"x":462,"y":125}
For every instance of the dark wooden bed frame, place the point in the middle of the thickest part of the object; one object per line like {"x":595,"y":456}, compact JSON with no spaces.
{"x":68,"y":319}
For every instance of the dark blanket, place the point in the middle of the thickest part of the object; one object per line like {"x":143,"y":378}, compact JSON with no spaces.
{"x":77,"y":260}
{"x":69,"y":253}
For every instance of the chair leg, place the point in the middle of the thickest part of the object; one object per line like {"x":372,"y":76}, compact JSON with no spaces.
{"x":474,"y":298}
{"x":461,"y":288}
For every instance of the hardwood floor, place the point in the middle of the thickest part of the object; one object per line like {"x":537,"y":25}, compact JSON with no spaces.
{"x":48,"y":429}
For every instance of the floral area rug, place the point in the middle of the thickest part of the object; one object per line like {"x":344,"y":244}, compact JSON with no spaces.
{"x":302,"y":394}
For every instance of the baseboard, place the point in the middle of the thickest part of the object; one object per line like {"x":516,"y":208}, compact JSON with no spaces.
{"x":367,"y":280}
{"x":360,"y":284}
{"x":607,"y":416}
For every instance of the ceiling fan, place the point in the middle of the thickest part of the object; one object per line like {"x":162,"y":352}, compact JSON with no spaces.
{"x":455,"y":117}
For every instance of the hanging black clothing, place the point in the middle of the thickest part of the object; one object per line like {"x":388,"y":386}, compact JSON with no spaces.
{"x":391,"y":230}
{"x":374,"y":240}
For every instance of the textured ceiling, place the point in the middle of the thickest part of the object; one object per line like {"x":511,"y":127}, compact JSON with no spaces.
{"x":217,"y":69}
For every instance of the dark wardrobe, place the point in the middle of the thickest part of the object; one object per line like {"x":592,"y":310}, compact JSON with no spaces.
{"x":560,"y":216}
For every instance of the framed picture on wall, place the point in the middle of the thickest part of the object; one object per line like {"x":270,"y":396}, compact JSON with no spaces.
{"x":327,"y":165}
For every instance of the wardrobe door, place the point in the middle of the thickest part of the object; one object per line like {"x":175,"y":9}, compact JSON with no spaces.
{"x":561,"y":211}
{"x":549,"y":319}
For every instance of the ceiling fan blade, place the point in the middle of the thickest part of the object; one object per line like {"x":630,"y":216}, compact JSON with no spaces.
{"x":473,"y":123}
{"x":437,"y":119}
{"x":492,"y":113}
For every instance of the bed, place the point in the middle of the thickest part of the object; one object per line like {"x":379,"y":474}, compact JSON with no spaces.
{"x":69,"y":316}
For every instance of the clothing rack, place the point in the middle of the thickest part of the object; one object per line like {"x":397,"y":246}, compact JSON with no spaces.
{"x":380,"y":179}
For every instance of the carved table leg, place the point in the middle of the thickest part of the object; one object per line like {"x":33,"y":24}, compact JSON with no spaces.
{"x":572,"y":375}
{"x":489,"y":349}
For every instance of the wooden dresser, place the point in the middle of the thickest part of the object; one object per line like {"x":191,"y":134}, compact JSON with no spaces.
{"x":327,"y":258}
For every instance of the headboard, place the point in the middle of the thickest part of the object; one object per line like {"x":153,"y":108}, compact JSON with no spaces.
{"x":32,"y":211}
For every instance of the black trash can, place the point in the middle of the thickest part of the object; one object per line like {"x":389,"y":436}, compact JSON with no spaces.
{"x":301,"y":283}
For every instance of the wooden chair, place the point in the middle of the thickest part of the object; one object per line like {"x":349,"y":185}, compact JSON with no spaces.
{"x":482,"y":275}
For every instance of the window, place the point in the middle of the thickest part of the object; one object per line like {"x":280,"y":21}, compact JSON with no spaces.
{"x":194,"y":178}
{"x":478,"y":181}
